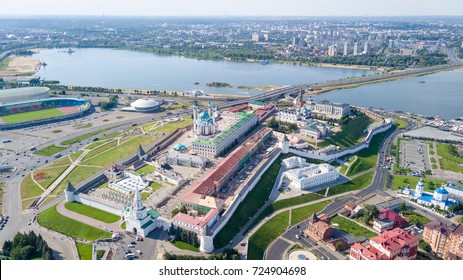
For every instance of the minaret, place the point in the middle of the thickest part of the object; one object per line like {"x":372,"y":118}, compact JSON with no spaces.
{"x":209,"y":108}
{"x":195,"y":115}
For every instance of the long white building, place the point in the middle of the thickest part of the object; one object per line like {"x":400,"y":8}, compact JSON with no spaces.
{"x":311,"y":175}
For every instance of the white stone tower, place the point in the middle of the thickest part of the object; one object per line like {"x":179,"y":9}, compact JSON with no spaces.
{"x":284,"y":145}
{"x":206,"y":242}
{"x":419,"y":189}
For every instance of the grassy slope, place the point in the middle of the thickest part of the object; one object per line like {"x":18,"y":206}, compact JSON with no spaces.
{"x":351,"y":133}
{"x":51,"y":219}
{"x":49,"y":151}
{"x":92,"y":212}
{"x":352,"y":227}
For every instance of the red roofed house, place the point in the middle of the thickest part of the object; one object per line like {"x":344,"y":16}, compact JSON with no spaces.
{"x":398,"y":220}
{"x":389,"y":245}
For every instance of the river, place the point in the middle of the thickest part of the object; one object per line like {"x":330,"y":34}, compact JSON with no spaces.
{"x":439,"y":94}
{"x":129,"y":69}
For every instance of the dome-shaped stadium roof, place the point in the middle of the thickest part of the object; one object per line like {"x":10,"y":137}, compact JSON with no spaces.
{"x":23,"y":94}
{"x":144,"y":103}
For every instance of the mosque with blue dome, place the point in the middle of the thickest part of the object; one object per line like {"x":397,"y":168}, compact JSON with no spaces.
{"x":204,"y":123}
{"x":440,"y":197}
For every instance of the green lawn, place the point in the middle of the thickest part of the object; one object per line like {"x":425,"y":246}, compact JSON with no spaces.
{"x":49,"y":175}
{"x":29,"y":188}
{"x":415,"y":218}
{"x":252,"y":203}
{"x":83,"y":137}
{"x":262,"y":238}
{"x":184,"y":246}
{"x":85,"y":251}
{"x":51,"y":219}
{"x":351,"y":227}
{"x":367,"y":158}
{"x":101,"y":149}
{"x":76,"y":155}
{"x":49,"y":151}
{"x":147,"y":169}
{"x":449,"y":165}
{"x":358,"y":183}
{"x":79,"y":174}
{"x":155,"y":186}
{"x":443,"y":150}
{"x":401,"y":181}
{"x":111,"y":135}
{"x":35,"y":115}
{"x":95,"y":144}
{"x":63,"y":161}
{"x":169,"y":127}
{"x":149,"y":126}
{"x":119,"y":152}
{"x":400,"y":123}
{"x":274,"y":227}
{"x":351,"y":133}
{"x":300,"y":214}
{"x":284,"y":203}
{"x":92,"y":212}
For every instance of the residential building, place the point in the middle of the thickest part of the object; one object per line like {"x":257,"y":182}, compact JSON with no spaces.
{"x":389,"y":245}
{"x":383,"y":224}
{"x":398,"y":221}
{"x":454,"y":248}
{"x":437,"y":235}
{"x":332,"y":50}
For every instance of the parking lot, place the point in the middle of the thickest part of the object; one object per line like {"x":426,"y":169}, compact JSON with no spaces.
{"x":414,"y":155}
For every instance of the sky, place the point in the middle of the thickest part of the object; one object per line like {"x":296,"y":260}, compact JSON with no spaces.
{"x":232,"y":7}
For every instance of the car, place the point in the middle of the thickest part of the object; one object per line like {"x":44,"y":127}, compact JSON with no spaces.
{"x":243,"y":244}
{"x":298,"y":226}
{"x":130,"y":256}
{"x":297,"y":236}
{"x":133,"y":242}
{"x":130,"y":246}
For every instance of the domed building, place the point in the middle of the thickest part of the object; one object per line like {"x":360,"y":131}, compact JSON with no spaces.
{"x":179,"y":148}
{"x":203,"y":123}
{"x":143,"y":105}
{"x":439,"y":198}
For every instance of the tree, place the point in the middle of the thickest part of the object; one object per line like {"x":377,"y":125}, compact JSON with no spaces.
{"x":370,"y":212}
{"x":456,"y":207}
{"x":338,"y":246}
{"x":273,"y":124}
{"x":183,"y":209}
{"x":402,"y":208}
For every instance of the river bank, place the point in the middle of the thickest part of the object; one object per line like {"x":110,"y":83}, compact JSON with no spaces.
{"x":14,"y":66}
{"x":354,"y":85}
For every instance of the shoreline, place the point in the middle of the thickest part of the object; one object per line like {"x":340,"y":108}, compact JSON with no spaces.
{"x":16,"y":66}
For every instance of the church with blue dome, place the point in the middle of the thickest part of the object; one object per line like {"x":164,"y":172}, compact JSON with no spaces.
{"x":204,"y":123}
{"x":439,"y":198}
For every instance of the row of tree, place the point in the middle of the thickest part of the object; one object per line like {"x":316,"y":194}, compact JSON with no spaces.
{"x":27,"y":246}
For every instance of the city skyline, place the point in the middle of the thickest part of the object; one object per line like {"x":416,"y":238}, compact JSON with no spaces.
{"x":236,"y":8}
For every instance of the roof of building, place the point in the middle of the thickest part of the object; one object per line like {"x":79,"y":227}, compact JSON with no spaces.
{"x":23,"y":91}
{"x":141,"y":152}
{"x":364,"y":251}
{"x":441,"y":190}
{"x":183,"y":156}
{"x":153,"y":213}
{"x":179,"y":147}
{"x":391,"y":215}
{"x":230,"y":131}
{"x":395,"y":239}
{"x":439,"y":226}
{"x":70,"y":187}
{"x":200,"y":221}
{"x":211,"y":179}
{"x":144,"y":103}
{"x":313,"y":218}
